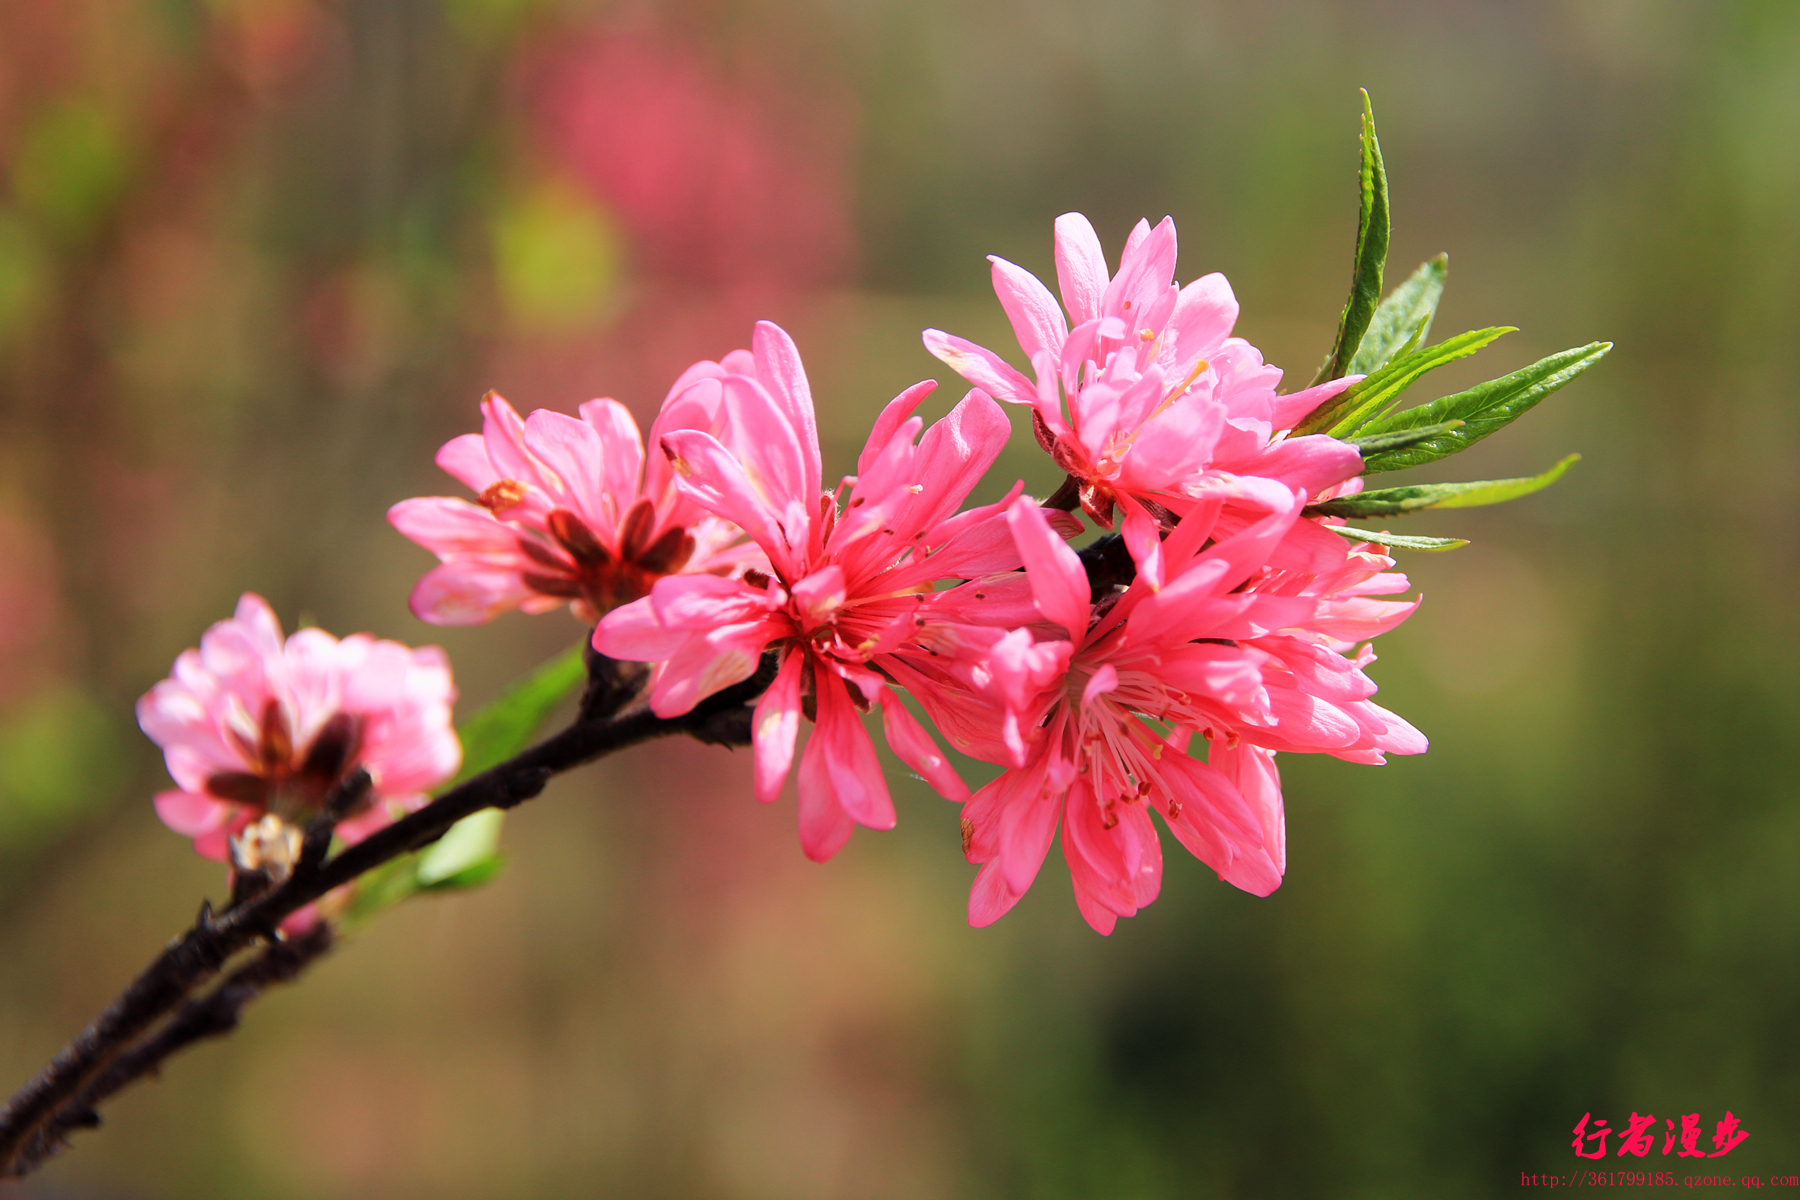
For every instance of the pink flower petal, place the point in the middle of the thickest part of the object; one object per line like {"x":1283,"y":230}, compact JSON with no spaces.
{"x":454,"y":528}
{"x":1144,"y":540}
{"x":710,"y":661}
{"x":1204,"y":315}
{"x":1058,"y":581}
{"x":1146,"y":272}
{"x":915,"y":748}
{"x":633,"y":633}
{"x":990,"y":898}
{"x":466,"y":459}
{"x":891,"y":418}
{"x":1105,"y":680}
{"x":572,"y":457}
{"x":779,"y":369}
{"x":1081,"y":273}
{"x":852,"y":770}
{"x":466,"y":592}
{"x":1037,"y":319}
{"x":983,"y":368}
{"x":621,"y":453}
{"x":713,"y":476}
{"x":775,"y":726}
{"x":191,"y":814}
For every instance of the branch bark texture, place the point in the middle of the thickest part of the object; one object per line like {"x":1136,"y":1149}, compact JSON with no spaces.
{"x":111,"y":1051}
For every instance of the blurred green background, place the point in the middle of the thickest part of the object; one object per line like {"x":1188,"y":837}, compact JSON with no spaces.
{"x":259,"y":258}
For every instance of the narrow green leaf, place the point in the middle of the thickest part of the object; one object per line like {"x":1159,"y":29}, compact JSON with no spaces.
{"x":1403,"y":319}
{"x":1399,"y":541}
{"x":1485,"y":408}
{"x":470,"y":842}
{"x":1357,"y":408}
{"x":1372,"y":229}
{"x":1391,"y":502}
{"x":503,"y":728}
{"x":1370,"y":446}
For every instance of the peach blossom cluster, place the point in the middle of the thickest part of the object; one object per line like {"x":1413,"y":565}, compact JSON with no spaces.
{"x":717,"y":548}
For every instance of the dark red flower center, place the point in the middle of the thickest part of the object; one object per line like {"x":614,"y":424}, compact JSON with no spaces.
{"x":291,"y":785}
{"x":574,"y":564}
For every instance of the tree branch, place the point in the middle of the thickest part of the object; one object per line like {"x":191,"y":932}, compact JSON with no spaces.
{"x":189,"y":960}
{"x":1108,"y":564}
{"x":214,"y":1015}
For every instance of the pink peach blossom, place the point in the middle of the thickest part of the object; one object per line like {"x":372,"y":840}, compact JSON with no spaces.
{"x":568,"y":512}
{"x":1142,"y":396}
{"x":1093,"y":708}
{"x":848,"y":590}
{"x":253,"y":727}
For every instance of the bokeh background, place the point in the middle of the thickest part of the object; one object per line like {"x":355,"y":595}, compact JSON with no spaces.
{"x":258,"y":258}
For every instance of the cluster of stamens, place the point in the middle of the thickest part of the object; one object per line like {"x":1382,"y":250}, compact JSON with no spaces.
{"x":575,"y":565}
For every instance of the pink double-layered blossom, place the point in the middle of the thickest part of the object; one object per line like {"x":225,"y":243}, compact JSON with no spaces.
{"x":568,"y":512}
{"x":847,"y":590}
{"x":1145,"y":399}
{"x":256,"y":729}
{"x":1092,"y":709}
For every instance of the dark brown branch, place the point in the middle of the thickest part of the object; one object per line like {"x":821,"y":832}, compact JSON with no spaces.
{"x":200,"y":953}
{"x":1108,"y":564}
{"x":339,"y":803}
{"x":213,"y":1015}
{"x":612,"y":684}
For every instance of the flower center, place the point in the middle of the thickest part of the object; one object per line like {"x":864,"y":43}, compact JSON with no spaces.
{"x":579,"y":567}
{"x":279,"y":780}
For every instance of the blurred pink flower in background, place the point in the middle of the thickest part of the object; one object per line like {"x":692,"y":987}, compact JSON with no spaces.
{"x":569,"y":512}
{"x":718,"y":188}
{"x":1163,"y":406}
{"x":255,"y":727}
{"x":1209,"y":652}
{"x":849,"y":590}
{"x":720,"y":176}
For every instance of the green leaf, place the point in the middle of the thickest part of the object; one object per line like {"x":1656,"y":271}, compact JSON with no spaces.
{"x":473,"y":875}
{"x":1357,"y":408}
{"x":1370,"y":446}
{"x":468,"y":852}
{"x":1484,"y":409}
{"x":472,"y":842}
{"x":1391,"y":502}
{"x":503,"y":728}
{"x":1399,"y":541}
{"x":380,"y":889}
{"x":1404,"y":318}
{"x":1372,"y":229}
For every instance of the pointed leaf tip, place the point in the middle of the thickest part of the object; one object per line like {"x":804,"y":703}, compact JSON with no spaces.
{"x":1391,"y":502}
{"x":1373,"y":227}
{"x":1484,"y":409}
{"x":1399,"y":541}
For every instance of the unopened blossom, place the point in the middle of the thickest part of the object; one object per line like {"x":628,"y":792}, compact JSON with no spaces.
{"x":1145,"y":399}
{"x":1092,"y":710}
{"x":847,"y":590}
{"x":257,"y":730}
{"x":567,"y":512}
